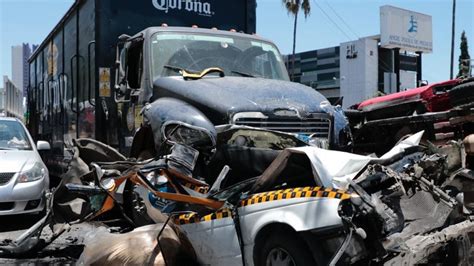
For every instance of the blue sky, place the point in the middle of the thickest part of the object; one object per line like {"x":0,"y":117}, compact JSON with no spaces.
{"x":330,"y":23}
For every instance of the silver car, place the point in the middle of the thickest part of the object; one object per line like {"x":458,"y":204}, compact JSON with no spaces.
{"x":24,"y":177}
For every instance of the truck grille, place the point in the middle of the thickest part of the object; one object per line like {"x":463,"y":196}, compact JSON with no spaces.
{"x":5,"y":178}
{"x":319,"y":126}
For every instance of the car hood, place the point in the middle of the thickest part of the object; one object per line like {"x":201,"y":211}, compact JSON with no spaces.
{"x":13,"y":161}
{"x":234,"y":94}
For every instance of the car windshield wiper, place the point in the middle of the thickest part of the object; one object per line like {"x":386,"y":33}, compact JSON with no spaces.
{"x":243,"y":74}
{"x":176,"y":68}
{"x":5,"y":148}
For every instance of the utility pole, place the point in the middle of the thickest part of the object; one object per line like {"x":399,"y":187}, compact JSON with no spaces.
{"x":452,"y":40}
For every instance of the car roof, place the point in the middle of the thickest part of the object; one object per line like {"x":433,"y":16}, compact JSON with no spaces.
{"x":12,"y":119}
{"x":5,"y":118}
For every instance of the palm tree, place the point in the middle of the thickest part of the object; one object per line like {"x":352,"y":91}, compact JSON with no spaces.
{"x":293,"y":7}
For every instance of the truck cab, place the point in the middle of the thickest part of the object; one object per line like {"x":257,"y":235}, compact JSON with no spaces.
{"x":225,"y":77}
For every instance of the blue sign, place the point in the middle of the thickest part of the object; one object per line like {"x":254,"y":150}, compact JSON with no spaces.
{"x":413,"y":24}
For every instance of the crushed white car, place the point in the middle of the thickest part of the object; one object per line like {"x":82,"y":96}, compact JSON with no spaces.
{"x":385,"y":210}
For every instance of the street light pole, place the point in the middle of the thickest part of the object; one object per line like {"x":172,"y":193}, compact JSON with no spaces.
{"x":452,"y":40}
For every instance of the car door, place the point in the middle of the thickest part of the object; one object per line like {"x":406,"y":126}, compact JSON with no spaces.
{"x":213,"y":237}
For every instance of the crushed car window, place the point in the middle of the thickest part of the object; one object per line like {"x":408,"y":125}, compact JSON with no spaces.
{"x":13,"y":136}
{"x":237,"y":56}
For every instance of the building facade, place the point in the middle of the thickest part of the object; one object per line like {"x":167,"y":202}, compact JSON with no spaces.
{"x":319,"y":69}
{"x":356,"y":70}
{"x":11,"y":99}
{"x":368,"y":67}
{"x":20,"y":67}
{"x":2,"y":102}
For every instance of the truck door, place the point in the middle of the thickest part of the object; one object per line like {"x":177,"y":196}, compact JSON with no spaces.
{"x":132,"y":67}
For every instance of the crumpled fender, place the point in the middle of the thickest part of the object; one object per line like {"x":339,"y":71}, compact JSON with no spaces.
{"x":169,"y":109}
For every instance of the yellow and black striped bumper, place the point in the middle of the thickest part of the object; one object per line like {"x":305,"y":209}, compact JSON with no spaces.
{"x":292,"y":193}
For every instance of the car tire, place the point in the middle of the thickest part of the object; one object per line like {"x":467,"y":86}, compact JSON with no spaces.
{"x":462,"y":94}
{"x":284,"y":248}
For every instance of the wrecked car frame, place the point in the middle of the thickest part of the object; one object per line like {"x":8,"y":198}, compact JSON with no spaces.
{"x":357,"y":226}
{"x":397,"y":208}
{"x":443,"y":110}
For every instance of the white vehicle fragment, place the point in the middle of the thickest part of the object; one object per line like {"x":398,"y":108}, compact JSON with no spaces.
{"x":334,"y":168}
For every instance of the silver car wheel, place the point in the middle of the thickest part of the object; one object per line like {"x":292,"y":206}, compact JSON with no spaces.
{"x":279,"y":257}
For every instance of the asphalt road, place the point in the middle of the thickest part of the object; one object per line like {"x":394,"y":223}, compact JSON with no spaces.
{"x":65,"y":250}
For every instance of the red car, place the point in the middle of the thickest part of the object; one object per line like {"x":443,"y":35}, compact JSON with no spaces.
{"x":444,"y":110}
{"x":433,"y":97}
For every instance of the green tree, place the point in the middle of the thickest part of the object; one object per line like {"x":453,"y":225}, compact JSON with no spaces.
{"x":293,"y":7}
{"x":464,"y":58}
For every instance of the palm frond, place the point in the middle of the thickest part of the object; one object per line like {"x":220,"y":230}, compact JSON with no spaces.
{"x":306,"y":6}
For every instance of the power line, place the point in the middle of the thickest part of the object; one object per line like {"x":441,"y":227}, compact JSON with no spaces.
{"x":330,"y":19}
{"x":386,"y":65}
{"x":343,"y":21}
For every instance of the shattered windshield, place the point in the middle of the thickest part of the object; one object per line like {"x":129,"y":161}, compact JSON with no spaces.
{"x":237,"y":56}
{"x":13,"y":136}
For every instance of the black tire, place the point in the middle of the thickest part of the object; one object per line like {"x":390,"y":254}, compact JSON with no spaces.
{"x":462,"y":94}
{"x":134,"y":206}
{"x":284,"y":246}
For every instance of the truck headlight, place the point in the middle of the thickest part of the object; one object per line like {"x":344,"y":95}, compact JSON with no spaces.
{"x":188,"y":135}
{"x":34,"y":173}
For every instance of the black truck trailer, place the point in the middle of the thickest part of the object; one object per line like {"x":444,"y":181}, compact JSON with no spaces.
{"x":71,"y":80}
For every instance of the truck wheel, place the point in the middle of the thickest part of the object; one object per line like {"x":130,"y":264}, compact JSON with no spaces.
{"x":284,"y":248}
{"x":462,"y":94}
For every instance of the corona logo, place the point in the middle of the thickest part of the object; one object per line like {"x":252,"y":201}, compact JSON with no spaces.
{"x":195,"y":6}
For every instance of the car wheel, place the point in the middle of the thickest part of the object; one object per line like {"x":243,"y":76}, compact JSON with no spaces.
{"x":284,"y":249}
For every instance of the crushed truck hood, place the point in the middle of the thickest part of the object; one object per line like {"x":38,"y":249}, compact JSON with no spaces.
{"x":233,"y":94}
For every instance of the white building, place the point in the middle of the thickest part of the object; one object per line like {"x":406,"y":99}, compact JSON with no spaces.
{"x":11,"y":100}
{"x":359,"y":69}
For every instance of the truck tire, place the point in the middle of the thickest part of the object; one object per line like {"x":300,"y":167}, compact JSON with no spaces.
{"x":462,"y":94}
{"x":284,"y":248}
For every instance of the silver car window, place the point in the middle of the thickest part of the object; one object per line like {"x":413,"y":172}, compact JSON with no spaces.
{"x":13,"y":136}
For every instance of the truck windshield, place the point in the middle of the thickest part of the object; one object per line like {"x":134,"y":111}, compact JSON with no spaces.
{"x":13,"y":136}
{"x":237,"y":56}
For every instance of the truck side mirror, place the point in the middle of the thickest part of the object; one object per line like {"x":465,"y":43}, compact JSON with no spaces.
{"x":120,"y":74}
{"x":123,"y":63}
